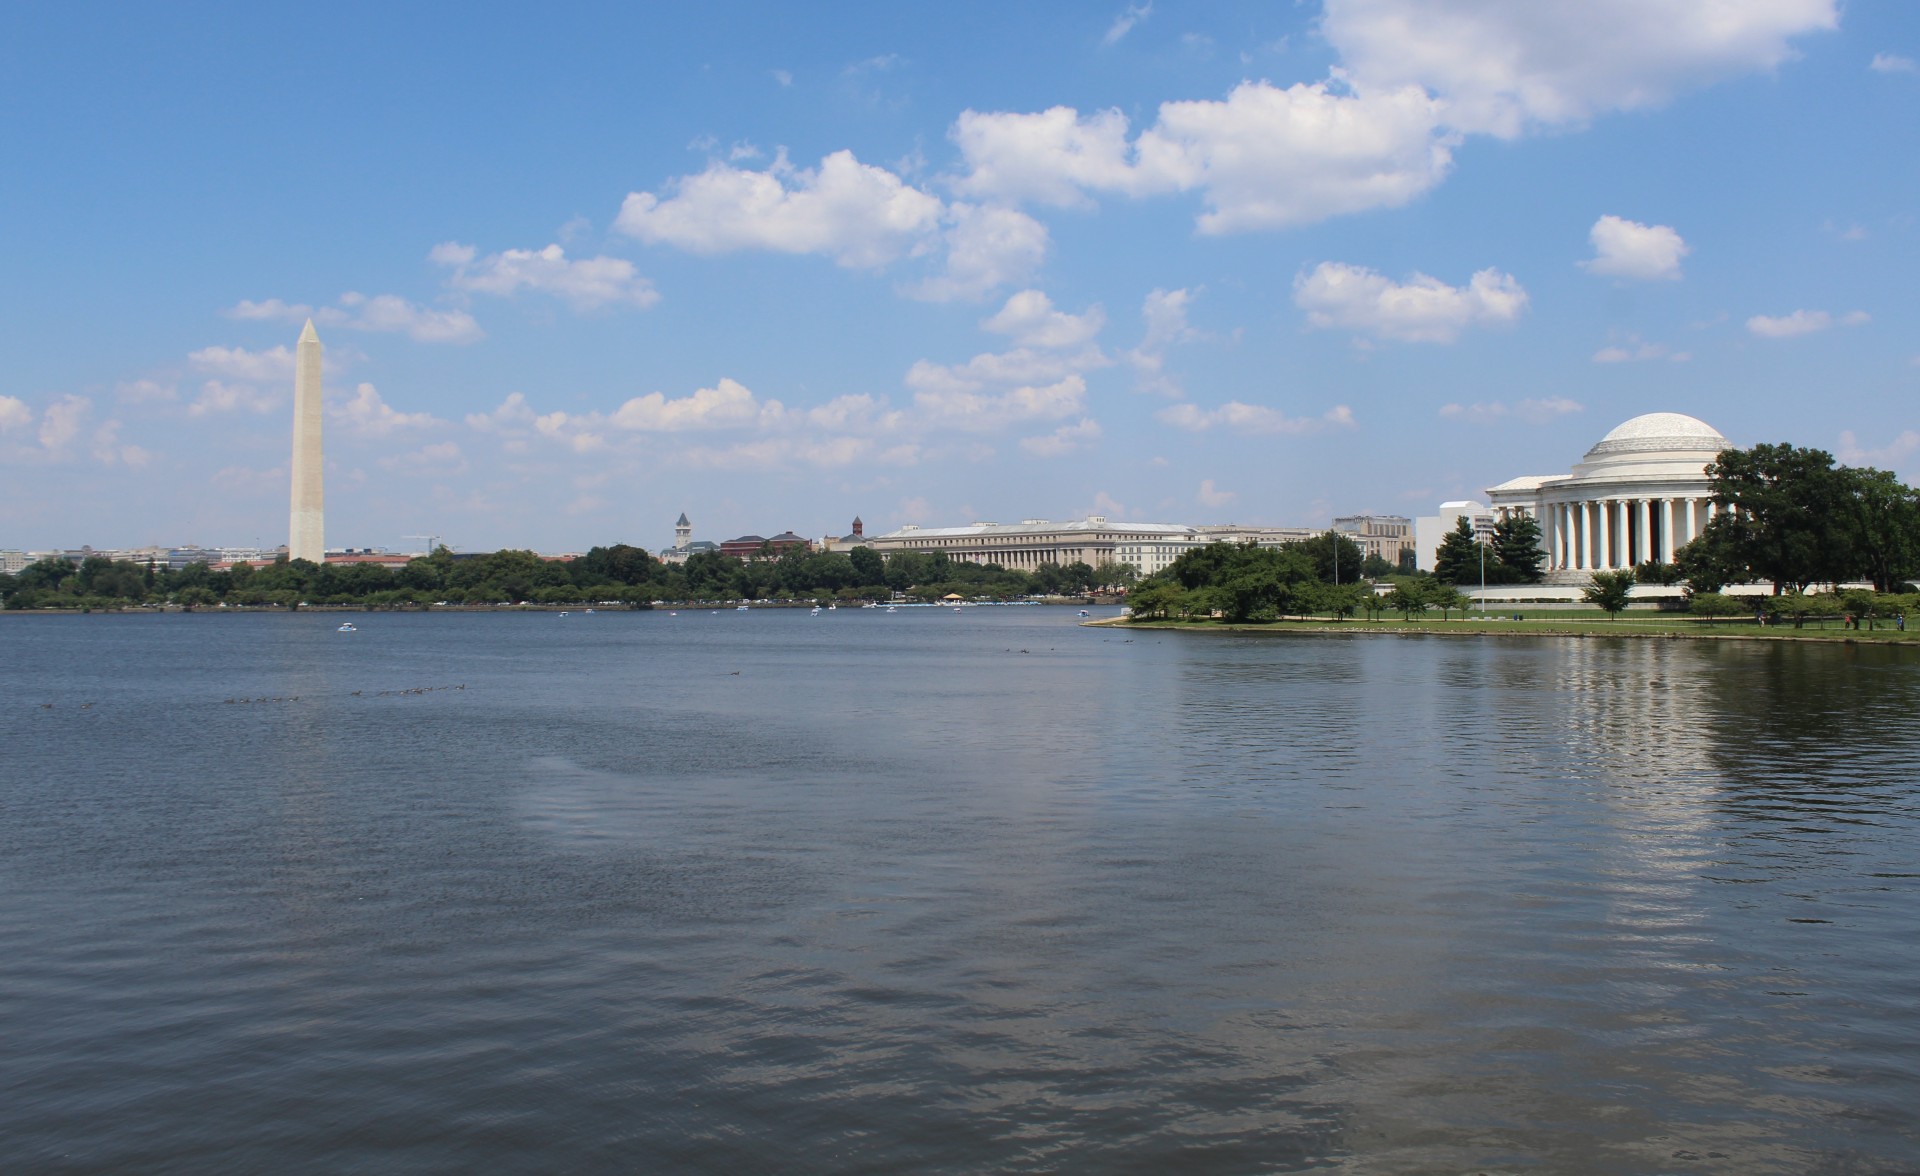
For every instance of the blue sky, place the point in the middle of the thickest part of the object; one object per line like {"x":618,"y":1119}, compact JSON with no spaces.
{"x":778,"y":265}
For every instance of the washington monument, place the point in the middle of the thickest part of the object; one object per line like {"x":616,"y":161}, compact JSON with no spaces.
{"x":306,"y":532}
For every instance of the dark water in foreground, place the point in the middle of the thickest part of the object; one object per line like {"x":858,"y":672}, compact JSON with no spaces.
{"x":987,"y":891}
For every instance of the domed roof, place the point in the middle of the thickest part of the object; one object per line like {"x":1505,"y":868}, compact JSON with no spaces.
{"x":1660,"y":432}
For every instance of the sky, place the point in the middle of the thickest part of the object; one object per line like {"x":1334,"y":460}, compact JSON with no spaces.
{"x":582,"y":268}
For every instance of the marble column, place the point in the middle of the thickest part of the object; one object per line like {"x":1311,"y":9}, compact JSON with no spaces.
{"x":1603,"y":557}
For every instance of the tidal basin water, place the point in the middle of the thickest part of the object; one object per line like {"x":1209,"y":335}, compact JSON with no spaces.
{"x":937,"y":891}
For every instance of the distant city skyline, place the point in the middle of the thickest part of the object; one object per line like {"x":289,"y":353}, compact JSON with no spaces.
{"x":1227,"y":262}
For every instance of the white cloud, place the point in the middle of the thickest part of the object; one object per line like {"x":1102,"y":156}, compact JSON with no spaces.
{"x":1895,"y":453}
{"x":1022,"y":365}
{"x":382,"y":313}
{"x":274,"y":365}
{"x":1502,"y":68}
{"x":970,"y":410}
{"x":62,"y":421}
{"x":1063,"y":440}
{"x":862,"y":216}
{"x":1165,"y":313}
{"x":1211,"y":495}
{"x":439,"y":459}
{"x":586,"y":283}
{"x":220,"y":396}
{"x":145,"y":391}
{"x":1237,"y":417}
{"x":14,"y":414}
{"x":727,"y":405}
{"x":270,"y":310}
{"x":1635,"y":351}
{"x":1420,"y":310}
{"x":366,"y":413}
{"x":783,"y":77}
{"x":1628,"y":249}
{"x":513,"y":415}
{"x":394,"y":314}
{"x":1123,"y":24}
{"x":107,"y":449}
{"x":987,"y":247}
{"x":1802,"y":322}
{"x":1534,"y":412}
{"x":1893,"y":63}
{"x":1030,"y":319}
{"x":1264,"y":157}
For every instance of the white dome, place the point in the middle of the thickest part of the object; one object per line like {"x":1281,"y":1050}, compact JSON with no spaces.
{"x":1660,"y":432}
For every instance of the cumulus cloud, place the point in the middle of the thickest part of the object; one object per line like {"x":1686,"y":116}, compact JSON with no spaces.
{"x":986,"y":248}
{"x":1634,"y":351}
{"x":386,"y":313}
{"x":1897,"y":453}
{"x":586,"y":283}
{"x":727,"y":405}
{"x":217,"y":396}
{"x":1503,"y":68}
{"x":1022,"y":365}
{"x":145,"y":391}
{"x":273,"y":365}
{"x":514,"y":414}
{"x":1420,"y":310}
{"x":1063,"y":440}
{"x":1533,"y":412}
{"x":862,"y":216}
{"x":1165,"y":314}
{"x":14,"y":414}
{"x":1264,"y":157}
{"x":1123,"y":24}
{"x":1211,"y":495}
{"x":1802,"y":322}
{"x":368,"y":414}
{"x":1030,"y":319}
{"x":62,"y":421}
{"x":960,"y":408}
{"x":438,"y":459}
{"x":1892,"y":63}
{"x":1237,"y":417}
{"x":1628,"y":249}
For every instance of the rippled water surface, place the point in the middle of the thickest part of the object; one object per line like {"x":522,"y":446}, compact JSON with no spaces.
{"x":936,"y":891}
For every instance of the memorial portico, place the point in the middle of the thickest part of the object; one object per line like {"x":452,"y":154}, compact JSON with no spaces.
{"x":1641,"y":494}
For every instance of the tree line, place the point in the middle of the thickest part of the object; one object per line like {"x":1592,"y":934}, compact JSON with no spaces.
{"x":1245,"y":582}
{"x":619,"y":573}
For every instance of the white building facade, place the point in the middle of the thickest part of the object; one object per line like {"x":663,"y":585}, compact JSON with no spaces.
{"x":1641,"y":494}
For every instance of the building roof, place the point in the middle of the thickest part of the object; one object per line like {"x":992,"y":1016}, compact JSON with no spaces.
{"x":754,"y":539}
{"x":786,"y":537}
{"x":1660,"y":432}
{"x":683,"y":520}
{"x":1093,"y":524}
{"x":1528,"y":482}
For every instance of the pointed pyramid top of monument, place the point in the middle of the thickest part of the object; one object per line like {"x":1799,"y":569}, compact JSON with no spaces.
{"x":308,"y":332}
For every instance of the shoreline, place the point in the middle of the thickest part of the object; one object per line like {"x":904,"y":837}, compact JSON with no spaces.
{"x":1316,"y":628}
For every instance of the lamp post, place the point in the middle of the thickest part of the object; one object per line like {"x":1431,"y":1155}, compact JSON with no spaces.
{"x":1483,"y":578}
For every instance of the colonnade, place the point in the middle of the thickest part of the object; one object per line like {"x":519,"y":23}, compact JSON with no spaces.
{"x":1609,"y":534}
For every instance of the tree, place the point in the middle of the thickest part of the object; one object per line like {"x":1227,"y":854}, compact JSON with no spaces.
{"x":1154,"y":601}
{"x":1610,"y":591}
{"x":1785,"y":512}
{"x":1447,"y":599}
{"x":1710,"y":562}
{"x":1375,"y":568}
{"x":1709,"y":605}
{"x":1516,"y":541}
{"x":1336,"y":558}
{"x":1339,"y":601}
{"x":1655,"y":572}
{"x":1460,"y":556}
{"x":869,"y":569}
{"x":1411,"y":596}
{"x":1884,"y":521}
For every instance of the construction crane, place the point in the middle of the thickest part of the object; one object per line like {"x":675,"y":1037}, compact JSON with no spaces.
{"x":433,"y":541}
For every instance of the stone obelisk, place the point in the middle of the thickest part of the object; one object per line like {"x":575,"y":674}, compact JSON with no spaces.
{"x":306,"y":533}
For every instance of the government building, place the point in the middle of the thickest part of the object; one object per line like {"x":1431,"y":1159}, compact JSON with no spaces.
{"x":1094,"y":540}
{"x":1641,"y":494}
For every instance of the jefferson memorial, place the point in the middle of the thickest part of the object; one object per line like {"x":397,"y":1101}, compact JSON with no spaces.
{"x":1639,"y":495}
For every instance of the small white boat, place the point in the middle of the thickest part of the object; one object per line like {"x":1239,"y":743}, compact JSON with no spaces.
{"x":589,"y":612}
{"x":673,"y":614}
{"x":739,"y":608}
{"x":891,"y":608}
{"x":815,"y":612}
{"x":347,"y":627}
{"x":956,"y":608}
{"x":833,"y":608}
{"x":1085,"y":613}
{"x":563,"y":612}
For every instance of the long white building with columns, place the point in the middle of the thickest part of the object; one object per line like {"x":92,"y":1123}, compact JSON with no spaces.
{"x":1641,"y":494}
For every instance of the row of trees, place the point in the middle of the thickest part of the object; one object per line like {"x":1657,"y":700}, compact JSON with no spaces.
{"x":1242,"y":582}
{"x":620,"y":572}
{"x":1514,"y":556}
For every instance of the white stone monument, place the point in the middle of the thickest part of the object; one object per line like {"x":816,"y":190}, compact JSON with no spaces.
{"x":306,"y":537}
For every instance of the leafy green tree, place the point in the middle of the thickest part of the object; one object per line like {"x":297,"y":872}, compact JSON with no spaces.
{"x":46,"y":574}
{"x":1655,"y":572}
{"x":1076,"y":577}
{"x":1375,"y":568}
{"x":1710,"y":562}
{"x":1155,"y":600}
{"x":869,"y":568}
{"x":1460,"y":557}
{"x":1516,"y":547}
{"x":1883,"y":517}
{"x":1339,"y":601}
{"x":1787,"y":514}
{"x":1411,"y":596}
{"x":1712,"y":605}
{"x":1447,"y":599}
{"x":1610,"y":591}
{"x":1336,"y":558}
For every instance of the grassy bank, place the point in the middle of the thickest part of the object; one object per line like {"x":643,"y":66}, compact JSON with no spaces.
{"x":1561,"y":625}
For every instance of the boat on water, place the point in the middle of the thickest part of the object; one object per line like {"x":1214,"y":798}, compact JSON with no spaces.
{"x":815,"y":612}
{"x":1085,"y":613}
{"x":347,"y":627}
{"x":563,"y":612}
{"x":891,"y":608}
{"x":739,"y":608}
